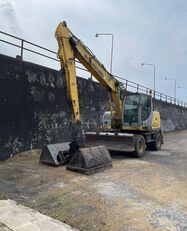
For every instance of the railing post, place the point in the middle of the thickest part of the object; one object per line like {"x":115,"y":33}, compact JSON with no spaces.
{"x":137,"y":88}
{"x":153,"y":93}
{"x":126,"y":85}
{"x":22,"y":41}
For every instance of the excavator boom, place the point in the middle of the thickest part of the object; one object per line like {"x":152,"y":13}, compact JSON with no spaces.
{"x":71,"y":48}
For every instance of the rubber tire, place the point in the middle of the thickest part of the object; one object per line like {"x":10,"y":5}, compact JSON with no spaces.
{"x":155,"y":145}
{"x":139,"y":144}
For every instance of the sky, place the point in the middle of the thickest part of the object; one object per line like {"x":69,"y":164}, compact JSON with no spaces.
{"x":145,"y":31}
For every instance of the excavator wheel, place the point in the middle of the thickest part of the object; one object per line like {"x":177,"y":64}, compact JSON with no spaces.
{"x":139,"y":145}
{"x":155,"y":145}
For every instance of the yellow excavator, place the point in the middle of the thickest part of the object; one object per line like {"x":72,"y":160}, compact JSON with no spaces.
{"x":130,"y":125}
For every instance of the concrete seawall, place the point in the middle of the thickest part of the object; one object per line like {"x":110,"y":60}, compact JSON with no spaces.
{"x":173,"y":117}
{"x":34,"y":108}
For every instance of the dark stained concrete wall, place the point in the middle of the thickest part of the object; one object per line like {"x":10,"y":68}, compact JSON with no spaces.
{"x":34,"y":110}
{"x":33,"y":106}
{"x":173,"y":117}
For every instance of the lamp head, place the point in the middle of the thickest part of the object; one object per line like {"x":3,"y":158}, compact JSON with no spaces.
{"x":96,"y":35}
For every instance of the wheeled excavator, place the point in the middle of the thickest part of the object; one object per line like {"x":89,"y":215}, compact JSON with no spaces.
{"x":130,"y":125}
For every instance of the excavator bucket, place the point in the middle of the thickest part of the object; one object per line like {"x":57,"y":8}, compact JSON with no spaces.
{"x":55,"y":154}
{"x":121,"y":142}
{"x":89,"y":160}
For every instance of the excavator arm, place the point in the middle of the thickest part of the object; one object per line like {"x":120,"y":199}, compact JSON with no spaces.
{"x":67,"y":60}
{"x":71,"y":48}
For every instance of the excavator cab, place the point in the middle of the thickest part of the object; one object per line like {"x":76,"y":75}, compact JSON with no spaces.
{"x":137,"y":109}
{"x":137,"y":113}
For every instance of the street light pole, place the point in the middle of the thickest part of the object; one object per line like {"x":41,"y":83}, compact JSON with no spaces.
{"x":154,"y":74}
{"x":175,"y":86}
{"x":112,"y":48}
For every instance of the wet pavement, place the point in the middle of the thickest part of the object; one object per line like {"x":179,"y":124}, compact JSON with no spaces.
{"x":136,"y":194}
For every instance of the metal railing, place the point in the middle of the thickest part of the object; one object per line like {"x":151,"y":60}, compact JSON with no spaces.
{"x":128,"y":85}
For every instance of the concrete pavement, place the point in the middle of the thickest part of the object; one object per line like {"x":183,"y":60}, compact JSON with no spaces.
{"x":16,"y":217}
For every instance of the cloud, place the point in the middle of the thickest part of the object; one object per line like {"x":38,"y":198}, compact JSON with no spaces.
{"x":8,"y":16}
